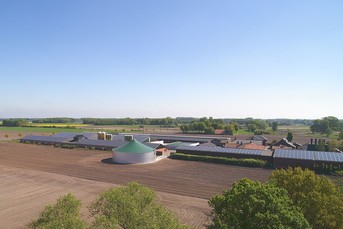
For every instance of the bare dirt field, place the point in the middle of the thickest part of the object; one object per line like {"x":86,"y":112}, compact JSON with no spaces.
{"x":32,"y":176}
{"x":12,"y":135}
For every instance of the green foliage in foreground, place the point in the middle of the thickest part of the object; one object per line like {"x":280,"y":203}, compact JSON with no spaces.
{"x":249,"y":162}
{"x":133,"y":206}
{"x":65,"y":213}
{"x":318,"y":197}
{"x":252,"y":204}
{"x":130,"y":207}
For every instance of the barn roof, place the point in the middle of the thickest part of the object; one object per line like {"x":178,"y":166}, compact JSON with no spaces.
{"x":134,"y":146}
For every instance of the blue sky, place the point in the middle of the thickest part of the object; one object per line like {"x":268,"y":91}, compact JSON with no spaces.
{"x":261,"y":59}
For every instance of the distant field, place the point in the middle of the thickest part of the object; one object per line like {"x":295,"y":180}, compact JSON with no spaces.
{"x":59,"y":125}
{"x":242,"y":131}
{"x":40,"y":129}
{"x":133,"y":128}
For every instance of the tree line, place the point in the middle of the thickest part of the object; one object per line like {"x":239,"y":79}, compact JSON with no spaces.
{"x":165,"y":122}
{"x":209,"y":125}
{"x":15,"y":122}
{"x":292,"y":198}
{"x":326,"y":125}
{"x":55,"y":120}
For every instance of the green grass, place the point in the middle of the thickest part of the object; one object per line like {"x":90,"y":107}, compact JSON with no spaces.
{"x":241,"y":131}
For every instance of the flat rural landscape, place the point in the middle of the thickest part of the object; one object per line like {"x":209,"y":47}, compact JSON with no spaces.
{"x":42,"y":173}
{"x":171,"y":114}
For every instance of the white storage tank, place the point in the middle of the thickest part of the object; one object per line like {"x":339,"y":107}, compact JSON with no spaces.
{"x":134,"y":152}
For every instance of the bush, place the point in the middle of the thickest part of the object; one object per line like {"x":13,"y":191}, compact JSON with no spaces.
{"x":249,"y":162}
{"x":132,"y":206}
{"x":260,"y":132}
{"x":65,"y":213}
{"x":328,"y":169}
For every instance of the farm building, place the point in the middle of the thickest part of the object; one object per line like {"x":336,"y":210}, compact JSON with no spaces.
{"x":160,"y":149}
{"x":134,"y":152}
{"x":283,"y":144}
{"x":226,"y":152}
{"x":284,"y":158}
{"x":44,"y":140}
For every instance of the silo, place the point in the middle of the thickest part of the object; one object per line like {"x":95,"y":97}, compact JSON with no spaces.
{"x":128,"y":138}
{"x":134,"y":152}
{"x":109,"y":137}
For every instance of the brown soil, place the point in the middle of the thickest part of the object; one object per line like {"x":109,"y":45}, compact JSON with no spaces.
{"x":183,"y":186}
{"x":12,"y":135}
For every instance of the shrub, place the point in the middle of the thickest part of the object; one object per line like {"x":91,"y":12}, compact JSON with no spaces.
{"x":65,"y":213}
{"x":327,"y":168}
{"x":250,"y":162}
{"x":132,"y":206}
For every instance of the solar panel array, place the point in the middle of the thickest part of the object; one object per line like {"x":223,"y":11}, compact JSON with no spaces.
{"x":217,"y":149}
{"x":183,"y":138}
{"x":43,"y":139}
{"x":328,"y":156}
{"x":66,"y":135}
{"x":309,"y":155}
{"x":294,"y":154}
{"x":104,"y":143}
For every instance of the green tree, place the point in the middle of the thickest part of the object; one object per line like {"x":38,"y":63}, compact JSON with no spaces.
{"x":332,"y":145}
{"x":65,"y":213}
{"x":340,"y":135}
{"x":15,"y":122}
{"x":201,"y":126}
{"x":209,"y":130}
{"x":133,"y":206}
{"x":251,"y":127}
{"x":317,"y":196}
{"x":252,"y":204}
{"x":274,"y":126}
{"x":229,"y":129}
{"x":326,"y":125}
{"x":289,"y":136}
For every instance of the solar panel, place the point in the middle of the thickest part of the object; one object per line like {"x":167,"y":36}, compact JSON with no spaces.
{"x":329,"y":156}
{"x":104,"y":143}
{"x":183,"y":138}
{"x":294,"y":154}
{"x":43,"y":139}
{"x":217,"y":149}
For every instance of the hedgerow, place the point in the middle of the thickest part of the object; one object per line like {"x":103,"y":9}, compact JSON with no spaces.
{"x":249,"y":162}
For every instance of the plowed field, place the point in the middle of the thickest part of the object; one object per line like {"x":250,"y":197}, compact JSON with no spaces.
{"x":183,"y":186}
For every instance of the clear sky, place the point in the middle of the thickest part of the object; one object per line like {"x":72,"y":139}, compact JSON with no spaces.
{"x":261,"y":59}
